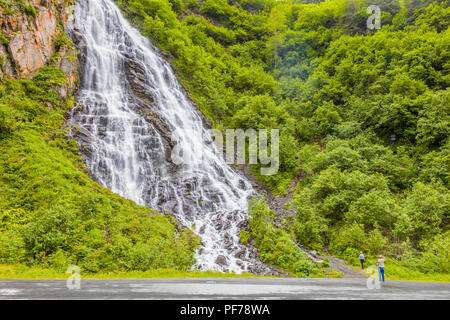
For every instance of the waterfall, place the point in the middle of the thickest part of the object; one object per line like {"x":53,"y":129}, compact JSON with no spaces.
{"x":130,"y":104}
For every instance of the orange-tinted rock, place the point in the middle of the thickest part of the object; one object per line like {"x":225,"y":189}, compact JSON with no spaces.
{"x":31,"y":48}
{"x":32,"y":40}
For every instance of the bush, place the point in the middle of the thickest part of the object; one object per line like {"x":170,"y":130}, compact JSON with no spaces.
{"x":435,"y":257}
{"x":59,"y":261}
{"x":244,"y":237}
{"x":52,"y":230}
{"x":12,"y":247}
{"x":274,"y":245}
{"x":349,"y":240}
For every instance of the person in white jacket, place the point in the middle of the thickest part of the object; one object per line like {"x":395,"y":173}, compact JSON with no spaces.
{"x":380,"y":265}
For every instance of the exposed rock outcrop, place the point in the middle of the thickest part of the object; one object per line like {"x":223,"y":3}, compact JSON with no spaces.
{"x":32,"y":36}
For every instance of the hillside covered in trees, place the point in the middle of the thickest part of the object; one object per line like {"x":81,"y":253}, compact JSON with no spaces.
{"x":364,"y":119}
{"x":363,"y":114}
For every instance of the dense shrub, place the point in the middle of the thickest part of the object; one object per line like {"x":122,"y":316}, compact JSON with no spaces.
{"x":274,"y":245}
{"x":363,"y":114}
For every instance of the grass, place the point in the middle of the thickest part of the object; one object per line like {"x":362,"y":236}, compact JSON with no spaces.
{"x":21,"y":272}
{"x":394,"y":271}
{"x":326,"y":273}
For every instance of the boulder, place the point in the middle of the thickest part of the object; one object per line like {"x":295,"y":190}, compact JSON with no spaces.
{"x":221,"y":261}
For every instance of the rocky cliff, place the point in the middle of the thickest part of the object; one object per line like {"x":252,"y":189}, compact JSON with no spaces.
{"x":32,"y":36}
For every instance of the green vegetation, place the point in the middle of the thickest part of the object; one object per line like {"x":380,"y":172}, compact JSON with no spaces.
{"x":11,"y":7}
{"x":364,"y":114}
{"x":24,"y":272}
{"x":274,"y":245}
{"x":398,"y":271}
{"x":244,"y":237}
{"x":364,"y":119}
{"x":51,"y":214}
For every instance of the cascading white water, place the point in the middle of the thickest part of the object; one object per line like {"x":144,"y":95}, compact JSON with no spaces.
{"x":129,"y":103}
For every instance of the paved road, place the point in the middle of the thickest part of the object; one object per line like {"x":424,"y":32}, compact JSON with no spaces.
{"x":240,"y":288}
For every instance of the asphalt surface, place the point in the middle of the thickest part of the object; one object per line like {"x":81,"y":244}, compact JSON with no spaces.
{"x":239,"y":288}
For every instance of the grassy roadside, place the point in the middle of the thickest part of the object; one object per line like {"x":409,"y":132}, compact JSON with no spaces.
{"x":395,"y":271}
{"x":13,"y":272}
{"x":21,"y":272}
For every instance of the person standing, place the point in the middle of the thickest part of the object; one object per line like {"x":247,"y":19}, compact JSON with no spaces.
{"x":380,"y":265}
{"x":362,"y":259}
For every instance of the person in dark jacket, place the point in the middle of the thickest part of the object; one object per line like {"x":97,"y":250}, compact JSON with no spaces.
{"x":362,"y":259}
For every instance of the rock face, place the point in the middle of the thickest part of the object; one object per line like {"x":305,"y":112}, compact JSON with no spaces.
{"x":32,"y":37}
{"x":30,"y":49}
